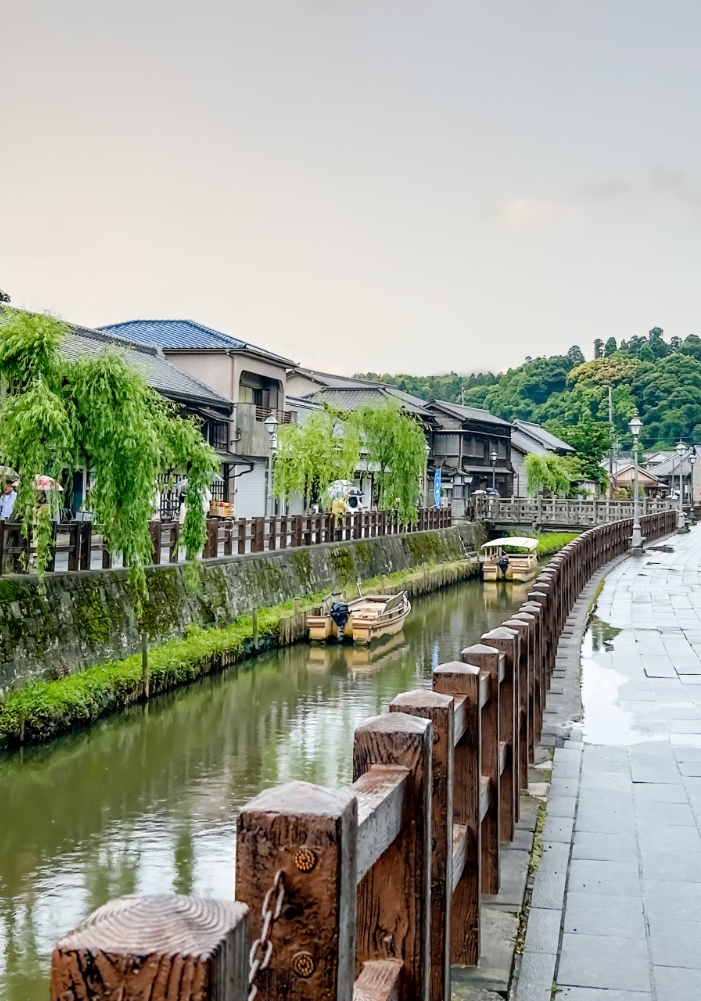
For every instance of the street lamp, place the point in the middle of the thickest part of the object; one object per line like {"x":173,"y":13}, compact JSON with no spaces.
{"x":494,"y":458}
{"x":636,"y":544}
{"x":692,"y":509}
{"x":271,"y":425}
{"x":681,"y":520}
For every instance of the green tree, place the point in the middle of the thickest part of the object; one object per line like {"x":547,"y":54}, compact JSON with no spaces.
{"x":592,"y":441}
{"x":547,"y":474}
{"x":611,"y":347}
{"x":329,"y":446}
{"x":97,"y":412}
{"x":313,"y":455}
{"x":395,"y":446}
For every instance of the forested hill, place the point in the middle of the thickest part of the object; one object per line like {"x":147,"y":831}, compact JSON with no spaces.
{"x":659,"y":379}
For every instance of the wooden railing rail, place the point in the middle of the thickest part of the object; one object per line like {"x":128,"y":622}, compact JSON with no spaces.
{"x":81,"y":548}
{"x":558,"y":511}
{"x":382,"y":881}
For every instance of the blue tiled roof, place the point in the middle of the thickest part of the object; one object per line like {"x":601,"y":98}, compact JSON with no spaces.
{"x":185,"y":334}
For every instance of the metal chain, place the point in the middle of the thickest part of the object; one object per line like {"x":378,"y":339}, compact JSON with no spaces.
{"x":262,"y":948}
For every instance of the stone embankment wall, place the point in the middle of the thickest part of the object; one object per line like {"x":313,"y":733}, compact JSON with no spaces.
{"x":85,"y":618}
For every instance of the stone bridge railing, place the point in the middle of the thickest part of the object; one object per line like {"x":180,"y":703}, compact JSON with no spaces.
{"x":559,"y":512}
{"x":372,"y":891}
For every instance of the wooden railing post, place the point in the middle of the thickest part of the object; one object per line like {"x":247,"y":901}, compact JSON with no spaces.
{"x":166,"y":948}
{"x":535,"y":610}
{"x":439,"y":709}
{"x":507,"y":642}
{"x":462,"y":682}
{"x":523,"y":709}
{"x":394,"y":896}
{"x":154,"y":528}
{"x":310,"y":834}
{"x":491,"y":665}
{"x":257,"y":535}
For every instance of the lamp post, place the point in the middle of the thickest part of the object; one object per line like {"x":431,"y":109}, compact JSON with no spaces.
{"x":271,"y":424}
{"x":494,"y":458}
{"x":636,"y":543}
{"x":681,"y":520}
{"x":427,"y":453}
{"x":692,"y":510}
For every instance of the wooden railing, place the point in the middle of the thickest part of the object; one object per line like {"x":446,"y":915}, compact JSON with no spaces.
{"x":372,"y":891}
{"x":559,"y":512}
{"x":75,"y":547}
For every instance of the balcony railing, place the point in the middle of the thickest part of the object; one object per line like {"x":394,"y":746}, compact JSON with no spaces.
{"x":281,"y":416}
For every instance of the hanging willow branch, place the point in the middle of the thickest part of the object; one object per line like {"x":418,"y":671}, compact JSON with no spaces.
{"x":94,"y":412}
{"x":331,"y":445}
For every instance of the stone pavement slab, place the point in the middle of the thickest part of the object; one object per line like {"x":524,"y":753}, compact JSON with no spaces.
{"x":623,"y":820}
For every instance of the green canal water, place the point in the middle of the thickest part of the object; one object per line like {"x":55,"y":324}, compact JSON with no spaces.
{"x":145,"y":802}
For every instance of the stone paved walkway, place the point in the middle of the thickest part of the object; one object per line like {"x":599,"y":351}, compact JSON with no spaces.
{"x":622,"y":841}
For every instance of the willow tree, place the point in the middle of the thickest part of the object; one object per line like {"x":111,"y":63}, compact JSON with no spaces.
{"x":331,"y":443}
{"x":96,"y":412}
{"x":313,"y":455}
{"x":547,"y":474}
{"x":395,"y":448}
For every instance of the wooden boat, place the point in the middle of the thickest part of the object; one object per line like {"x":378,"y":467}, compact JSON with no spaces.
{"x":362,"y":620}
{"x":498,"y":565}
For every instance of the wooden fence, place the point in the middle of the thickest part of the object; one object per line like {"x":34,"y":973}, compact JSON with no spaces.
{"x":559,"y":512}
{"x":370,"y":892}
{"x":75,"y":547}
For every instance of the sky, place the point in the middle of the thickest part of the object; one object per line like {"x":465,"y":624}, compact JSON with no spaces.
{"x":385,"y":185}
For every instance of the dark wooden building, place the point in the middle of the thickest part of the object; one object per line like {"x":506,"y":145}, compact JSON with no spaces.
{"x":463,"y":443}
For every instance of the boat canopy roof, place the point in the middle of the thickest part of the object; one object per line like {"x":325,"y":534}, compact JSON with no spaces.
{"x":521,"y":542}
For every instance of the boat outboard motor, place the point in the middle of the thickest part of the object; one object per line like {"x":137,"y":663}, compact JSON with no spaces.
{"x":503,"y":564}
{"x":340,"y":615}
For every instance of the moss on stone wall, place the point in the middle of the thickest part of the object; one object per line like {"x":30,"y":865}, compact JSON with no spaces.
{"x":89,"y":617}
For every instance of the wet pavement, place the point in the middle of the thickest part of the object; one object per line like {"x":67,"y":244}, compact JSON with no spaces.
{"x":617,"y":906}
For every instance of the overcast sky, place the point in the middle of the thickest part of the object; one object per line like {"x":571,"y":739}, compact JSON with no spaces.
{"x":358,"y":184}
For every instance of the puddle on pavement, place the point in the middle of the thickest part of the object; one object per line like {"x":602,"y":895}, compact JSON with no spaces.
{"x":605,"y":719}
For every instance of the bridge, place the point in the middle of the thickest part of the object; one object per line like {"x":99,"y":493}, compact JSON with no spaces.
{"x":371,"y":892}
{"x":559,"y":512}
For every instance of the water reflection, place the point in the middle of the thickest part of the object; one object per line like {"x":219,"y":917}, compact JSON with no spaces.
{"x":146,"y":801}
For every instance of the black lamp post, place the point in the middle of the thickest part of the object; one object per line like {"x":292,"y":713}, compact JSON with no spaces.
{"x":494,"y":458}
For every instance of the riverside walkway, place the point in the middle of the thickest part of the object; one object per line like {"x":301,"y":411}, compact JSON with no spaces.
{"x":616,"y":906}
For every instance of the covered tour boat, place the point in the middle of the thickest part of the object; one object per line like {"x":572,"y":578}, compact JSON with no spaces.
{"x":361,"y":620}
{"x":519,"y":566}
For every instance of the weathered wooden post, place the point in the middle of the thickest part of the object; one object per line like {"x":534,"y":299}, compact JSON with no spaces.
{"x":532,"y":616}
{"x":308,"y":835}
{"x":462,"y":681}
{"x":491,"y":665}
{"x":254,"y":627}
{"x":507,"y":642}
{"x":166,"y":948}
{"x":144,"y":662}
{"x":394,"y":895}
{"x":523,"y":708}
{"x":440,"y":710}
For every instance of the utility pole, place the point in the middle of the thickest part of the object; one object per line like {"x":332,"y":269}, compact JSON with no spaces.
{"x":611,"y":449}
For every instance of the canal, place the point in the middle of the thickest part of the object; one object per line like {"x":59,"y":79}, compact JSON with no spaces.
{"x":145,"y":802}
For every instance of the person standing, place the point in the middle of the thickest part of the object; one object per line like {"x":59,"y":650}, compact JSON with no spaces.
{"x":7,"y":501}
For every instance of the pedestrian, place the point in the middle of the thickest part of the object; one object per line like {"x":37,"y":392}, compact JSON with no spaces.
{"x":7,"y":501}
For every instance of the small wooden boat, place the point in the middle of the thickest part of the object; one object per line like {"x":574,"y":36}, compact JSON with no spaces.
{"x":498,"y":565}
{"x":361,"y":620}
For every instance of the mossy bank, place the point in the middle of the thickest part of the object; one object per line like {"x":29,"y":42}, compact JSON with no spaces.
{"x":45,"y":709}
{"x":87,"y":618}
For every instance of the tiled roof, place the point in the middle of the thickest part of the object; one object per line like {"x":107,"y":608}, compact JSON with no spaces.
{"x":358,"y":396}
{"x":524,"y":443}
{"x":158,"y":373}
{"x":186,"y":334}
{"x":542,"y":436}
{"x":469,"y":413}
